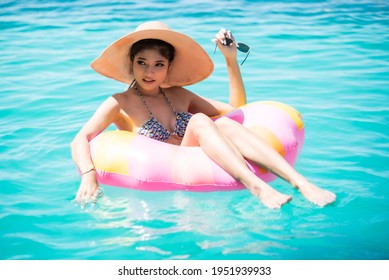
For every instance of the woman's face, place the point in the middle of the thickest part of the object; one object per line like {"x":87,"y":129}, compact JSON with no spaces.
{"x":150,"y":69}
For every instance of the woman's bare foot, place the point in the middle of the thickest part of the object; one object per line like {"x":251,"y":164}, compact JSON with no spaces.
{"x":270,"y":197}
{"x":315,"y":194}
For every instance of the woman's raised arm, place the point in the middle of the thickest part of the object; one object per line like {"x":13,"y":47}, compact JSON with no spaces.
{"x":237,"y":90}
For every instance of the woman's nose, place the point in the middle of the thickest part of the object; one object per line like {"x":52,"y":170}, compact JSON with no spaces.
{"x":149,"y":70}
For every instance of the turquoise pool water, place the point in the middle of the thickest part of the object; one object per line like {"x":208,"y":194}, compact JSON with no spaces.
{"x":329,"y":59}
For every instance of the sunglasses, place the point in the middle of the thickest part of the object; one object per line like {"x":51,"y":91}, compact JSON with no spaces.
{"x":240,"y":46}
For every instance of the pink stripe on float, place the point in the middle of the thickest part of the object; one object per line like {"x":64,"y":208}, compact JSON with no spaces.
{"x":150,"y":159}
{"x":190,"y":165}
{"x":236,"y":115}
{"x":140,"y":184}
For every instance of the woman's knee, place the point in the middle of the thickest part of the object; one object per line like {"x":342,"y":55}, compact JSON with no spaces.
{"x":198,"y":128}
{"x":200,"y":120}
{"x":226,"y":125}
{"x":200,"y":123}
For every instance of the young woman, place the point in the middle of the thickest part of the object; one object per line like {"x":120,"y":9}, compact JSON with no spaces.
{"x":156,"y":62}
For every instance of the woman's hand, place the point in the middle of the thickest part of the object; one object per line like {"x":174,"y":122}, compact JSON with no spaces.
{"x":89,"y":190}
{"x":226,"y":43}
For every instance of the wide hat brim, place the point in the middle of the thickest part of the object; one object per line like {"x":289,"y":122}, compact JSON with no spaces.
{"x":191,"y":64}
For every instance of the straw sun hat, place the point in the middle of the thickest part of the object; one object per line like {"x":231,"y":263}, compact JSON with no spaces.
{"x":191,"y":63}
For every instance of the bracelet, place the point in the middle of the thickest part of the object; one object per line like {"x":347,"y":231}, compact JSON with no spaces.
{"x":92,"y":169}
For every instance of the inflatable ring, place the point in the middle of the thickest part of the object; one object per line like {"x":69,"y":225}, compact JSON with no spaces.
{"x":128,"y":160}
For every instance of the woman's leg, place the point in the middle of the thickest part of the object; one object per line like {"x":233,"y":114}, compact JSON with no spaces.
{"x":255,"y":149}
{"x":203,"y":132}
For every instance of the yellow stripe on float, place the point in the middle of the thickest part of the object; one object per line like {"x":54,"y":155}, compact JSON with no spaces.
{"x":110,"y":151}
{"x":292,"y":112}
{"x":267,"y":135}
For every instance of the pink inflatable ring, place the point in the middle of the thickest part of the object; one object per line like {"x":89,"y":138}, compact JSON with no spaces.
{"x":128,"y":160}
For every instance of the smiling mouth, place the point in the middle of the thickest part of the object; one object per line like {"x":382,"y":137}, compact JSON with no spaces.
{"x":148,"y":80}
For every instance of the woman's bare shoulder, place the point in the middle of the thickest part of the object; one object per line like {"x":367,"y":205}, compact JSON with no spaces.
{"x":119,"y":96}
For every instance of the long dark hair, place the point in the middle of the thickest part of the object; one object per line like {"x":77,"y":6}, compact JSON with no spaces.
{"x":165,"y":49}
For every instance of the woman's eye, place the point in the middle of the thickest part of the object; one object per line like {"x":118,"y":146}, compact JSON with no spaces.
{"x":160,"y":65}
{"x":141,"y":62}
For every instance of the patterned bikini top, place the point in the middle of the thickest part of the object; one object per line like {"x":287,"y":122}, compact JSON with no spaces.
{"x":155,"y":130}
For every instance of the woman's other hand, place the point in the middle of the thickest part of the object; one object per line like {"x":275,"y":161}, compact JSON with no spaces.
{"x":226,"y":43}
{"x":89,"y":190}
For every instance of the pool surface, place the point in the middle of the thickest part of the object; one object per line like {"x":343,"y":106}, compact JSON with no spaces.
{"x":328,"y":59}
